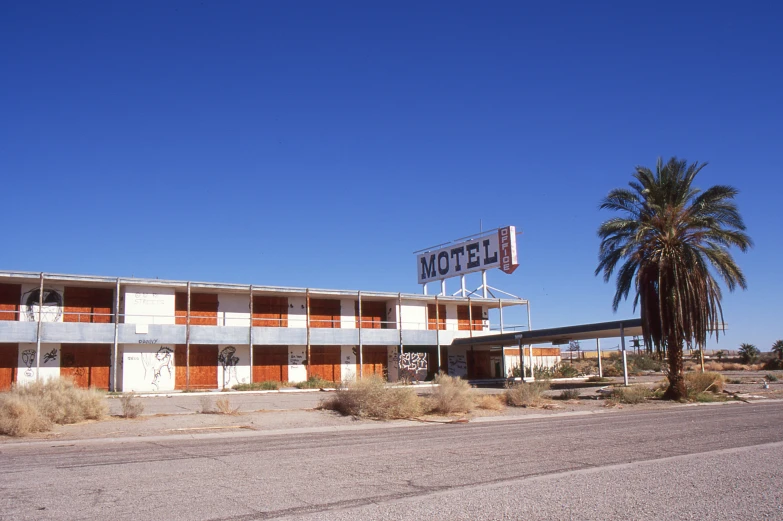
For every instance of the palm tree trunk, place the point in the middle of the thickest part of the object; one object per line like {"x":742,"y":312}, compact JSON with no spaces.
{"x":676,"y":390}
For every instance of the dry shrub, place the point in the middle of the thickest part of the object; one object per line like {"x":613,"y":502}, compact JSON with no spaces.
{"x":370,"y":398}
{"x":206,"y":405}
{"x":630,"y":395}
{"x":714,"y":366}
{"x":490,"y":402}
{"x":697,"y":383}
{"x":527,"y":394}
{"x":734,"y":367}
{"x":131,"y":406}
{"x":34,"y":407}
{"x":452,"y":395}
{"x":223,"y":406}
{"x":569,"y":394}
{"x":611,"y":370}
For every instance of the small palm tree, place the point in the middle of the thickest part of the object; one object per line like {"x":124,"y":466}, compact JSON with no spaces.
{"x":748,"y":353}
{"x":777,"y":348}
{"x":668,"y":242}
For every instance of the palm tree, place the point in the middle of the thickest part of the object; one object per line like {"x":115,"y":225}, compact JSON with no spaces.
{"x":777,"y":347}
{"x":669,"y":240}
{"x":748,"y":353}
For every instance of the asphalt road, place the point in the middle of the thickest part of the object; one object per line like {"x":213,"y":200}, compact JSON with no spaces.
{"x":708,"y":462}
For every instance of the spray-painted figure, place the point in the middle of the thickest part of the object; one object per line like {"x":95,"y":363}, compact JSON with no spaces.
{"x":229,"y":362}
{"x":414,"y":365}
{"x":158,"y":363}
{"x":28,"y":357}
{"x":51,"y":355}
{"x":52,"y":308}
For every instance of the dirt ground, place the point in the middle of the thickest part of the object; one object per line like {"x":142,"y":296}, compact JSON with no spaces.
{"x":302,"y":416}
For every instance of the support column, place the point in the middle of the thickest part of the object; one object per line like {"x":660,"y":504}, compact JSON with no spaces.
{"x":187,"y":343}
{"x":250,"y":334}
{"x":361,"y":353}
{"x":399,"y":305}
{"x":115,"y":351}
{"x":484,"y":283}
{"x":462,"y":282}
{"x":625,"y":360}
{"x":307,"y":299}
{"x":500,"y":308}
{"x":424,"y":288}
{"x":600,"y":366}
{"x":443,"y":287}
{"x":38,"y":334}
{"x":521,"y":362}
{"x":529,"y":328}
{"x":437,"y":330}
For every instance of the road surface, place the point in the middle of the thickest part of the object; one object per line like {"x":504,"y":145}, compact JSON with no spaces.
{"x":706,"y":462}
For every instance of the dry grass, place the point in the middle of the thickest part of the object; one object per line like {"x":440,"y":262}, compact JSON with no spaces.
{"x":266,"y":385}
{"x":568,"y":394}
{"x":630,"y":395}
{"x":131,"y":405}
{"x":697,"y":383}
{"x":490,"y":402}
{"x":452,"y":395}
{"x":527,"y":394}
{"x":370,"y":398}
{"x":714,"y":366}
{"x":223,"y":406}
{"x":35,"y":407}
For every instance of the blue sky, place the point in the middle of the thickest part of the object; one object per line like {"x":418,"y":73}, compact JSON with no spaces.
{"x":320,"y":144}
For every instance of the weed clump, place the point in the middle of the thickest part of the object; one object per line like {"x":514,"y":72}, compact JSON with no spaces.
{"x":490,"y":402}
{"x":37,"y":406}
{"x":630,"y":395}
{"x":370,"y":398}
{"x":316,"y":382}
{"x":266,"y":385}
{"x":452,"y":395}
{"x":527,"y":394}
{"x":223,"y":406}
{"x":131,"y":405}
{"x":697,"y":383}
{"x":569,"y":394}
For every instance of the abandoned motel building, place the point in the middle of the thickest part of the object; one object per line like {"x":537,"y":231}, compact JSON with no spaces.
{"x":150,"y":335}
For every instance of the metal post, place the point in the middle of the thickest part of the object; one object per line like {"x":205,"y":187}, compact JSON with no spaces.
{"x":399,"y":304}
{"x":443,"y":287}
{"x":503,"y":361}
{"x":361,"y":353}
{"x":437,"y":330}
{"x":600,"y":366}
{"x":701,"y":352}
{"x":38,"y":334}
{"x":625,"y":360}
{"x":521,"y":361}
{"x":529,"y":328}
{"x":532,"y":364}
{"x":250,"y":336}
{"x":187,"y":343}
{"x":470,"y":318}
{"x":116,"y":337}
{"x":500,"y":308}
{"x":462,"y":281}
{"x":484,"y":282}
{"x":424,"y":288}
{"x":307,"y":367}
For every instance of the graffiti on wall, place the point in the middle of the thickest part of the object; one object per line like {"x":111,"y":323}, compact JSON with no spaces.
{"x":158,"y":366}
{"x":413,"y":365}
{"x":52,"y":310}
{"x":28,"y":357}
{"x":229,"y":361}
{"x":458,"y":365}
{"x":50,"y":356}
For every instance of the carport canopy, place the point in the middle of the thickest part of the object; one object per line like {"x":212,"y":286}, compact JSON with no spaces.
{"x":558,"y":335}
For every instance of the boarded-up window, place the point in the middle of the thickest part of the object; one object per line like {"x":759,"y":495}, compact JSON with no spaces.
{"x":324,"y":313}
{"x":203,"y":308}
{"x":432,"y":319}
{"x":86,"y":364}
{"x":10,"y":295}
{"x":270,"y":311}
{"x":463,"y":318}
{"x":324,"y":362}
{"x":373,"y":314}
{"x":88,"y":305}
{"x":270,"y":363}
{"x":203,"y":366}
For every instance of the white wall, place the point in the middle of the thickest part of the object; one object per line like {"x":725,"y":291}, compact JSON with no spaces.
{"x":348,"y":362}
{"x":233,"y":309}
{"x":148,"y":305}
{"x":233,"y":365}
{"x":147,"y":368}
{"x":347,"y":314}
{"x":414,"y":315}
{"x":297,"y":315}
{"x":297,"y":372}
{"x":392,"y":317}
{"x":51,"y":312}
{"x":50,"y":362}
{"x":452,"y":324}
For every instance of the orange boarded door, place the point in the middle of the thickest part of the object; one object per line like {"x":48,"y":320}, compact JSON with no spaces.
{"x":270,"y":363}
{"x":373,"y":314}
{"x":270,"y":311}
{"x":325,"y":313}
{"x":325,"y":362}
{"x":374,"y":361}
{"x":8,"y":354}
{"x":432,"y":319}
{"x":203,"y":366}
{"x":464,"y":316}
{"x":479,"y":364}
{"x":203,"y":309}
{"x":86,"y":364}
{"x":10,"y":295}
{"x":88,"y":304}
